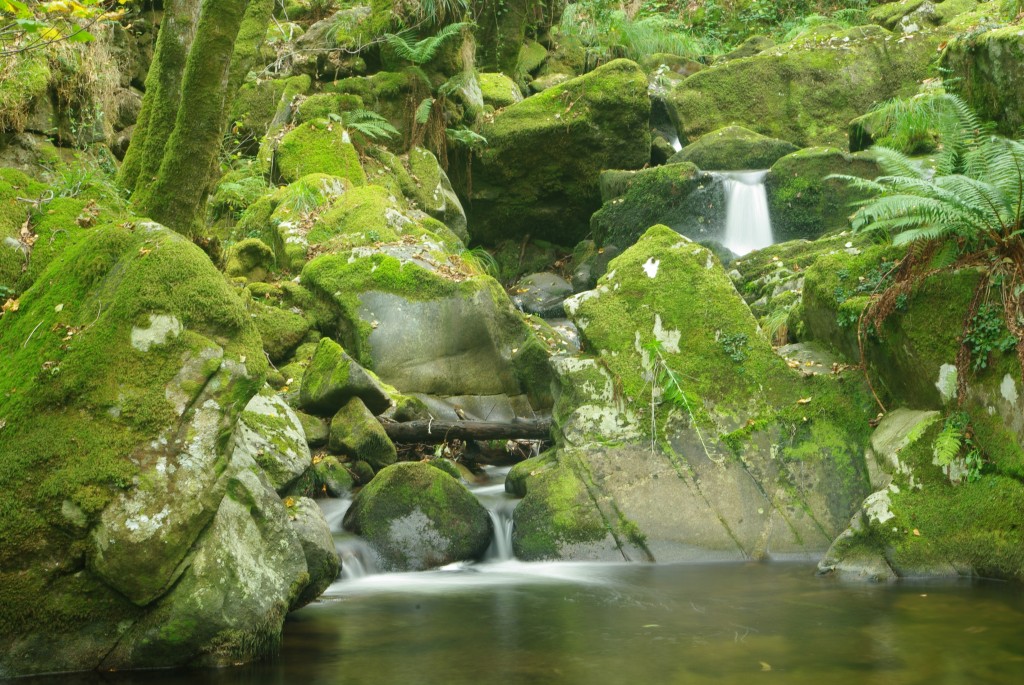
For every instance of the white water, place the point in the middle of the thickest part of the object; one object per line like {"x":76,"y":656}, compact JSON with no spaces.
{"x":359,"y":562}
{"x":676,"y":145}
{"x":748,"y":226}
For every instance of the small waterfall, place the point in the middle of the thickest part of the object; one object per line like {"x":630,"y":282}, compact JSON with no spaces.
{"x":501,"y":543}
{"x":358,"y":559}
{"x":676,"y":145}
{"x":748,"y":226}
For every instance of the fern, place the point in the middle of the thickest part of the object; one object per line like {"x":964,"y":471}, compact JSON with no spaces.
{"x":422,"y":115}
{"x":947,"y":444}
{"x":466,"y":137}
{"x":422,"y":51}
{"x":366,"y":123}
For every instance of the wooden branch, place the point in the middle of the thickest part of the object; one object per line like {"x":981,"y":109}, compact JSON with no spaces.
{"x":441,"y":431}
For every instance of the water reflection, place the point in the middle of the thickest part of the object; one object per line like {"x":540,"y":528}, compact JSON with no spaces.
{"x":593,"y":624}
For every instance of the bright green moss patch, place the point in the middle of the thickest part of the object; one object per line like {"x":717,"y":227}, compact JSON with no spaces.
{"x":976,"y":526}
{"x":23,"y":78}
{"x":498,"y":90}
{"x":318,"y":146}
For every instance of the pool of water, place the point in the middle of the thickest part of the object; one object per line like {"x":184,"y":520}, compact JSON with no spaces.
{"x":592,"y":624}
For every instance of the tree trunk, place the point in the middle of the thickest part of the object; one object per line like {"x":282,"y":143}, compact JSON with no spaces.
{"x":163,"y":94}
{"x":440,"y":431}
{"x":169,"y":167}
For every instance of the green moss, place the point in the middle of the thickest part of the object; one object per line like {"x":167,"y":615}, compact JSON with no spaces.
{"x":67,"y":369}
{"x":675,"y":195}
{"x":250,"y":258}
{"x":977,"y":526}
{"x":805,"y":91}
{"x":318,"y":147}
{"x":734,"y":148}
{"x":804,"y":203}
{"x":280,"y":329}
{"x":597,"y":121}
{"x":498,"y":90}
{"x":23,"y":78}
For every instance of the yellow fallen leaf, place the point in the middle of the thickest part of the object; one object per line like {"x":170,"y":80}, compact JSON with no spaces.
{"x":11,"y":305}
{"x":917,"y":532}
{"x":765,"y":666}
{"x":59,"y":308}
{"x":804,"y":400}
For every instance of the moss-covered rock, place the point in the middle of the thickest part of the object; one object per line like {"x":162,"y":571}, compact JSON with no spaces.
{"x":389,"y":93}
{"x":426,"y":323}
{"x":134,"y":349}
{"x":734,"y":148}
{"x":498,"y":90}
{"x":598,"y":121}
{"x":333,"y":378}
{"x":748,"y":48}
{"x":986,"y":71}
{"x":356,"y":433}
{"x":926,"y":518}
{"x":251,"y":259}
{"x":322,"y":562}
{"x":910,"y":16}
{"x":270,"y":433}
{"x":755,"y":458}
{"x":680,"y":196}
{"x":805,"y":91}
{"x":262,"y":104}
{"x":557,"y":518}
{"x":804,"y":203}
{"x":280,"y":329}
{"x":26,"y":77}
{"x":318,"y":147}
{"x":418,"y":517}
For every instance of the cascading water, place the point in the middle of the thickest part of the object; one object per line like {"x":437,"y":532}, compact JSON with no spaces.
{"x":748,"y":226}
{"x":358,"y":560}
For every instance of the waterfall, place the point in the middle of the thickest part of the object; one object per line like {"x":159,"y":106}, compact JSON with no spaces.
{"x":501,"y":542}
{"x":676,"y":145}
{"x":748,"y":226}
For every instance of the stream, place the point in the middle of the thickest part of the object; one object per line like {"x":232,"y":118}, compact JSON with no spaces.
{"x":510,"y":622}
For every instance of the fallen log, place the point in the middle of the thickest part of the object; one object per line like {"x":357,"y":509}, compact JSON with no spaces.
{"x":442,"y":431}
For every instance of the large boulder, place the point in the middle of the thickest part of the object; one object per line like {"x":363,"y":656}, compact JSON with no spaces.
{"x":935,"y":512}
{"x":424,"y":326}
{"x":804,"y":202}
{"x":679,"y":196}
{"x":986,"y":71}
{"x":538,"y":173}
{"x":318,"y":147}
{"x":418,"y":517}
{"x":734,"y":148}
{"x":688,"y":435}
{"x":133,"y":533}
{"x":270,"y":433}
{"x":807,"y":90}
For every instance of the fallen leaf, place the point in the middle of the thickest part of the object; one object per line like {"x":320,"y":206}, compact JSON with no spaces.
{"x":765,"y":666}
{"x":143,"y":251}
{"x":804,"y":400}
{"x":11,"y":305}
{"x":917,"y":532}
{"x":59,"y":308}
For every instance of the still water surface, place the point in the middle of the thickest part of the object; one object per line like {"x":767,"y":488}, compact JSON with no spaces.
{"x":597,"y":624}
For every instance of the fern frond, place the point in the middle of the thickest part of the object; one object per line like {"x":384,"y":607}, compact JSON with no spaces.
{"x":947,"y":444}
{"x":423,"y":111}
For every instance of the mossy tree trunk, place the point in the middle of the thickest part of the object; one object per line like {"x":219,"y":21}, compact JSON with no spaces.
{"x":195,"y":74}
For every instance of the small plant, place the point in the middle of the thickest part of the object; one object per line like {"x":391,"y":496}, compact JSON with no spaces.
{"x":988,"y":334}
{"x":735,"y":345}
{"x":954,"y":441}
{"x":479,"y":260}
{"x":667,"y":386}
{"x":366,"y":124}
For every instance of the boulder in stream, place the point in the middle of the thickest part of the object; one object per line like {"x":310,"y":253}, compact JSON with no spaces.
{"x":418,"y":517}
